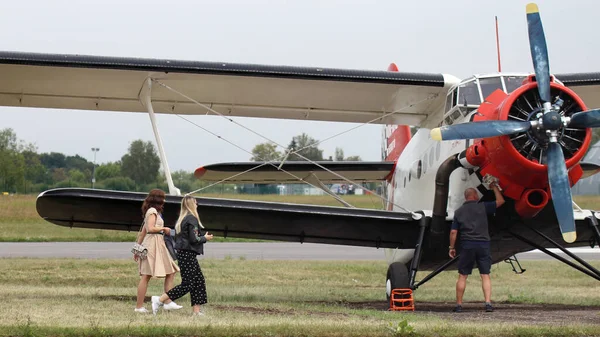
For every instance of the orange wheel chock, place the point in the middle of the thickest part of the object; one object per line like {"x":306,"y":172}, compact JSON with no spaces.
{"x":402,"y":299}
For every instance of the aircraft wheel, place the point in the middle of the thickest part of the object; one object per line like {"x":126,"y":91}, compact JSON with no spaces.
{"x":397,"y":277}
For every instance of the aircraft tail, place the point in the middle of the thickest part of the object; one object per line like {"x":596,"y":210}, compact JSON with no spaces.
{"x":395,"y":139}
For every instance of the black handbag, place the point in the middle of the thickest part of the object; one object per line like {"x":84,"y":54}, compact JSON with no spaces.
{"x":170,"y":243}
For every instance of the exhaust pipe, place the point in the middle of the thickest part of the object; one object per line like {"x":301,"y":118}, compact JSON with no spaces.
{"x":440,"y":202}
{"x":531,"y":203}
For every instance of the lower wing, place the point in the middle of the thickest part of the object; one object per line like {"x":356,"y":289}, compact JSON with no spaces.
{"x":100,"y":209}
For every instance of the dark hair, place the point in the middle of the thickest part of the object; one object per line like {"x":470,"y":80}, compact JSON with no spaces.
{"x":156,"y":199}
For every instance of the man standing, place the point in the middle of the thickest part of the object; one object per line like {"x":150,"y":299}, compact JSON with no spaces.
{"x":471,"y":221}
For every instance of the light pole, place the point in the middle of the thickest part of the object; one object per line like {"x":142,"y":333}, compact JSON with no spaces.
{"x":95,"y":150}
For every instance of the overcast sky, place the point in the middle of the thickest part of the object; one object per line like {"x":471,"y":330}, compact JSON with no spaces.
{"x":437,"y":36}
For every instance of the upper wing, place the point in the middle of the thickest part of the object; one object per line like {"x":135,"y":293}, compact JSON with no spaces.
{"x":114,"y":84}
{"x":586,"y":85}
{"x":289,"y":172}
{"x":100,"y":209}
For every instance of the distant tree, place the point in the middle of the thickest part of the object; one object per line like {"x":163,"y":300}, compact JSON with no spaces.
{"x":76,"y":176}
{"x":8,"y":140}
{"x":307,"y":147}
{"x":265,"y":152}
{"x":108,"y":170}
{"x":59,"y":174}
{"x":12,"y":162}
{"x":78,"y":162}
{"x":53,"y":160}
{"x":183,"y":180}
{"x":35,"y":172}
{"x":118,"y":184}
{"x":339,"y":154}
{"x":141,"y":163}
{"x":353,"y":158}
{"x":292,"y":146}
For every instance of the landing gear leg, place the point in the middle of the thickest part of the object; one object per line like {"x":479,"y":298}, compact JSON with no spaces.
{"x":414,"y":265}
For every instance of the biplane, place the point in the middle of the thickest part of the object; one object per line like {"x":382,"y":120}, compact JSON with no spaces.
{"x":529,"y":130}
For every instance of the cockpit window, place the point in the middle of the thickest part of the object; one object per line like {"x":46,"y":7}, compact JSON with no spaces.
{"x":468,"y":94}
{"x":456,"y":114}
{"x":513,"y":82}
{"x":448,"y":102}
{"x":489,"y":85}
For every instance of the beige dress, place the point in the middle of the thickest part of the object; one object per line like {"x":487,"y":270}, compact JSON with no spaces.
{"x":159,"y":262}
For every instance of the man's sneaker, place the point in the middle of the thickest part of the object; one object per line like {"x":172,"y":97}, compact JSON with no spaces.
{"x":156,"y":304}
{"x":141,"y":310}
{"x":172,"y":306}
{"x":488,"y":307}
{"x":457,"y":308}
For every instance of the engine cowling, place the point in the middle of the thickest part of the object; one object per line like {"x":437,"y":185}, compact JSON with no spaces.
{"x":518,"y":160}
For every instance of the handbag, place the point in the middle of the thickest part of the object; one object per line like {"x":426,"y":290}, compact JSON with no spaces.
{"x":170,"y":243}
{"x":139,"y":250}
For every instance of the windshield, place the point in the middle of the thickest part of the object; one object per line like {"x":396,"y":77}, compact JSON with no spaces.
{"x":513,"y":82}
{"x":489,"y":85}
{"x":468,"y":94}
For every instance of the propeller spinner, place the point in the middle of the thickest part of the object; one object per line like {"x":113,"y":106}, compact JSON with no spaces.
{"x":549,"y":124}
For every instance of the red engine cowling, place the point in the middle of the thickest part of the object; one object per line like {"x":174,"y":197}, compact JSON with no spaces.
{"x":518,"y":160}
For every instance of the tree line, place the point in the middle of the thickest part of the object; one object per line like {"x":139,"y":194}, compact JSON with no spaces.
{"x":24,"y":170}
{"x":300,"y":147}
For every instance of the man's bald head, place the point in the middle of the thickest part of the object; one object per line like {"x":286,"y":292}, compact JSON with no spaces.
{"x":471,"y":194}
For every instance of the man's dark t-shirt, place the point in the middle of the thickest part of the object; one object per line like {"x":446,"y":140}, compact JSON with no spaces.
{"x":471,"y":221}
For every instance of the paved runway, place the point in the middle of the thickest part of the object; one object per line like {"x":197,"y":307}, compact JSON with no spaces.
{"x":251,"y":251}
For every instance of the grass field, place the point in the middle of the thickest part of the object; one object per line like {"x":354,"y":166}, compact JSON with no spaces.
{"x":19,"y":220}
{"x":278,"y":298}
{"x":73,"y":297}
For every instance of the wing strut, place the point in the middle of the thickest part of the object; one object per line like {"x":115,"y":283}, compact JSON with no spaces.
{"x":146,"y":99}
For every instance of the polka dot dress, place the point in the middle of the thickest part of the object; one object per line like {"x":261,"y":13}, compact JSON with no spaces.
{"x":192,"y":280}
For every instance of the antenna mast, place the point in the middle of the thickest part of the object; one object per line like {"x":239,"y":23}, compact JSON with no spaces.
{"x":498,"y":46}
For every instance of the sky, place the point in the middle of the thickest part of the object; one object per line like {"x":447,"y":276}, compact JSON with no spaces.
{"x":438,"y":36}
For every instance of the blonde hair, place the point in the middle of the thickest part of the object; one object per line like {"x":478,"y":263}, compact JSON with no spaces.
{"x":188,"y":206}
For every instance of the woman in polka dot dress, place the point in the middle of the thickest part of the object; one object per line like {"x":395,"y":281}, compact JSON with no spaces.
{"x":189,"y":242}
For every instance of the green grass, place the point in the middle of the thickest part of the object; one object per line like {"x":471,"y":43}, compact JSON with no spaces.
{"x":274,"y":298}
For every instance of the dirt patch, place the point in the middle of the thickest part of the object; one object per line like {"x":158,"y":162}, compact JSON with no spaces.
{"x":531,"y":314}
{"x":538,"y":314}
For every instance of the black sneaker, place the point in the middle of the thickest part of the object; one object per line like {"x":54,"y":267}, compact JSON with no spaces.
{"x":488,"y":307}
{"x":457,"y":308}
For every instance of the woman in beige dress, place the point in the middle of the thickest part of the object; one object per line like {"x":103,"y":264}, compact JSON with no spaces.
{"x":159,"y":262}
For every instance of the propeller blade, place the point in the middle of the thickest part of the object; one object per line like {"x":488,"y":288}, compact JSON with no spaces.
{"x":539,"y":51}
{"x":483,"y":129}
{"x":586,"y":119}
{"x":561,"y":192}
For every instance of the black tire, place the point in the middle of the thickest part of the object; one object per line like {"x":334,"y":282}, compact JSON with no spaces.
{"x":397,"y":277}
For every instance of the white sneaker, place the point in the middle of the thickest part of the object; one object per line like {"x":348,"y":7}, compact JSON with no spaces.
{"x":198,"y":314}
{"x":156,"y":304}
{"x":141,"y":310}
{"x":172,"y":306}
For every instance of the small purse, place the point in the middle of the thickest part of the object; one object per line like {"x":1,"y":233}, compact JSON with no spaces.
{"x":139,"y":250}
